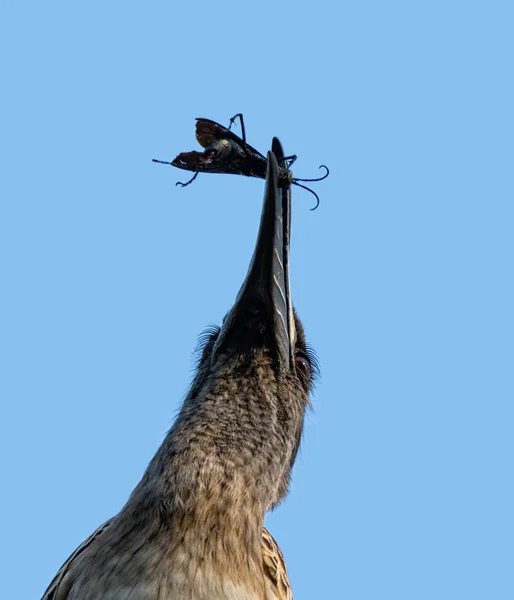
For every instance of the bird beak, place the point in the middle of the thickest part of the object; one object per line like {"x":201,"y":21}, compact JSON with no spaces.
{"x":263,"y":311}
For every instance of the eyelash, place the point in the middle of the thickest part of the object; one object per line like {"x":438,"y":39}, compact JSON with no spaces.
{"x":312,"y":357}
{"x":210,"y":334}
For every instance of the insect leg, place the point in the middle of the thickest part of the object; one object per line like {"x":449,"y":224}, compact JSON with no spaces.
{"x":188,"y":182}
{"x":233,"y":120}
{"x":289,"y":160}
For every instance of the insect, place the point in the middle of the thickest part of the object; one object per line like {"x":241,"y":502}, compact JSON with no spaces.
{"x":226,"y":152}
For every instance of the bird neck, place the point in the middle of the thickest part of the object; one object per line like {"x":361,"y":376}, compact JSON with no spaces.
{"x":223,"y":463}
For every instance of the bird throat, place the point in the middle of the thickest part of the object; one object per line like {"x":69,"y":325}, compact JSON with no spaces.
{"x":217,"y":472}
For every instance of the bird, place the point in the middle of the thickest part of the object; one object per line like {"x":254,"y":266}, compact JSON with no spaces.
{"x":193,"y":527}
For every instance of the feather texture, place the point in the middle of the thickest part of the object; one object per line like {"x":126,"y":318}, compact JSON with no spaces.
{"x":274,"y":565}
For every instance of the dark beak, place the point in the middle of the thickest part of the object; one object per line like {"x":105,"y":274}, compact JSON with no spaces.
{"x":263,"y":312}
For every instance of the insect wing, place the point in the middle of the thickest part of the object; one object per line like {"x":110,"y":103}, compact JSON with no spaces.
{"x":191,"y":161}
{"x":207,"y":131}
{"x":225,"y":152}
{"x":205,"y":163}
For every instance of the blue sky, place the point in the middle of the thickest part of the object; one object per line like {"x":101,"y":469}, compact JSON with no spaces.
{"x":402,"y":277}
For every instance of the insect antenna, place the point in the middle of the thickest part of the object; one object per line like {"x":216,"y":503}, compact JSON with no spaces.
{"x":163,"y":162}
{"x":319,"y":178}
{"x":295,"y":182}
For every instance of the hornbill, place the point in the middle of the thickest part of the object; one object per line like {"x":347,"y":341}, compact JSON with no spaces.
{"x":193,"y":528}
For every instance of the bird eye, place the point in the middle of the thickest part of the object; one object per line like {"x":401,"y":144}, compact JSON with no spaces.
{"x":303,"y":365}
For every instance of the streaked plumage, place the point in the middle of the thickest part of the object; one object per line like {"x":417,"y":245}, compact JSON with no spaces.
{"x":274,"y":565}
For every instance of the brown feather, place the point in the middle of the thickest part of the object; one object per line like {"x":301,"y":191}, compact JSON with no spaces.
{"x":273,"y":561}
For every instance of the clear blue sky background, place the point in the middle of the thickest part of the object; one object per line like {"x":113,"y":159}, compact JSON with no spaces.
{"x":403,"y":276}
